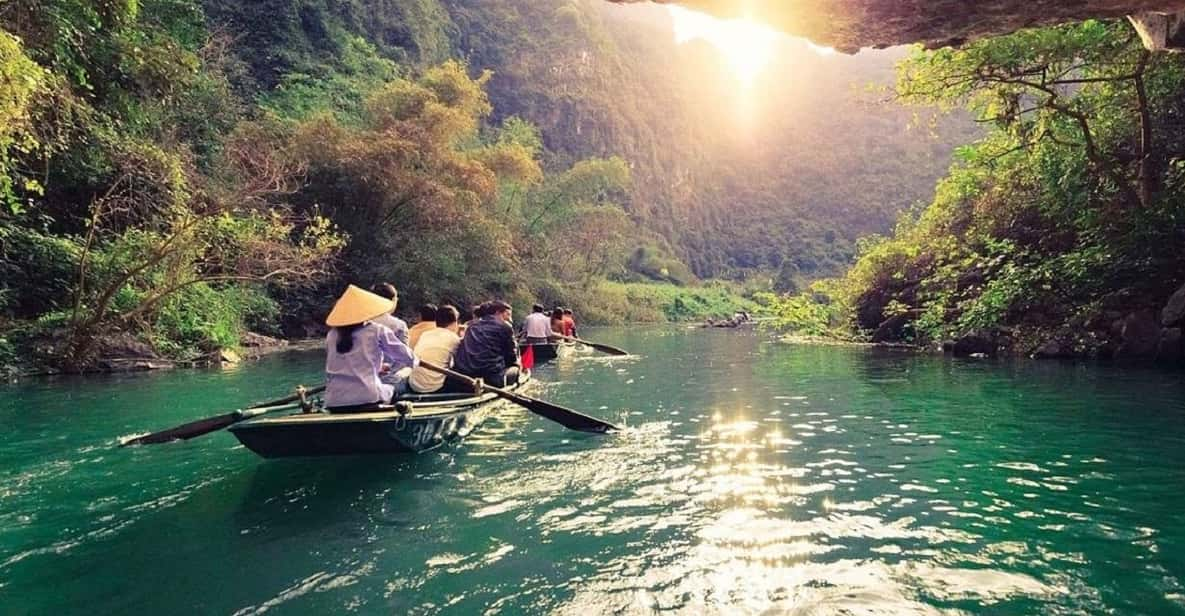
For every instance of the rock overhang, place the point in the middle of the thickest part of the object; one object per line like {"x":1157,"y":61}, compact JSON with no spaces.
{"x":849,"y":25}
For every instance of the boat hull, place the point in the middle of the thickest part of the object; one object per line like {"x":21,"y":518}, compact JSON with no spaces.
{"x":426,"y":423}
{"x":548,"y":351}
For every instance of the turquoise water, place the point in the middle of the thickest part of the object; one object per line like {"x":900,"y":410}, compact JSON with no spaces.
{"x":755,"y":477}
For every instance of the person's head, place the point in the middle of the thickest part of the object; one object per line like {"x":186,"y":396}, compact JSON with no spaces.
{"x":481,"y":310}
{"x":537,"y":308}
{"x":558,"y":313}
{"x":500,"y":310}
{"x":387,"y":290}
{"x":567,"y":312}
{"x":352,"y":310}
{"x":447,"y":317}
{"x":428,"y":313}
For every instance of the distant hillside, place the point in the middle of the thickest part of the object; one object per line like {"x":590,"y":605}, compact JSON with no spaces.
{"x":731,"y":185}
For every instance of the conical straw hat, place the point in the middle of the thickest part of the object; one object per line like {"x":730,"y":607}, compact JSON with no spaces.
{"x":356,"y":306}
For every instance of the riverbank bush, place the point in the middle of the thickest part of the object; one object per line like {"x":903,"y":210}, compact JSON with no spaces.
{"x":1054,"y":232}
{"x":615,"y":303}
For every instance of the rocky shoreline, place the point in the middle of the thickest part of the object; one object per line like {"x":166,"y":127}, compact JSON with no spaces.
{"x":1143,"y":333}
{"x":1146,"y":333}
{"x":125,"y":353}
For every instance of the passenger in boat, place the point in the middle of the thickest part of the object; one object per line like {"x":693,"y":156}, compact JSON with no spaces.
{"x":488,"y":350}
{"x":427,"y":322}
{"x":537,"y":326}
{"x":436,"y":345}
{"x":471,"y":316}
{"x":396,"y":324}
{"x":359,"y":350}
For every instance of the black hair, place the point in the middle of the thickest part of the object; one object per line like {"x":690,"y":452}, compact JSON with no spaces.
{"x":537,"y":308}
{"x":497,"y":306}
{"x":558,"y":313}
{"x":483,"y":310}
{"x":446,"y":315}
{"x":428,"y":312}
{"x":567,"y":311}
{"x":345,"y":337}
{"x":385,"y":289}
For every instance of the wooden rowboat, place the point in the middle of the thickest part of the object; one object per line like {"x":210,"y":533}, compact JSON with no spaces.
{"x":414,"y":424}
{"x":547,"y":351}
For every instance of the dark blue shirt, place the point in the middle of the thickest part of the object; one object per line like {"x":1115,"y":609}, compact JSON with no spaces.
{"x":486,"y":350}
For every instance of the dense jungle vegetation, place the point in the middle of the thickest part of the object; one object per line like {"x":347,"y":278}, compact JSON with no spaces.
{"x":1060,"y":232}
{"x":177,"y":172}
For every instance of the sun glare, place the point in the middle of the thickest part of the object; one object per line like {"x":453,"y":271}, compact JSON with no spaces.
{"x":746,"y":45}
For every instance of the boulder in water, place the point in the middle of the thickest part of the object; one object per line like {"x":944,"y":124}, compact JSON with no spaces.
{"x":1174,"y":311}
{"x":1054,"y":349}
{"x":1140,"y":336}
{"x":892,"y":330}
{"x":975,"y":343}
{"x":1170,"y":347}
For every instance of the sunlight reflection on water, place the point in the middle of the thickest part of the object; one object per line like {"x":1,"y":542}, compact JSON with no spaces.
{"x":755,"y":478}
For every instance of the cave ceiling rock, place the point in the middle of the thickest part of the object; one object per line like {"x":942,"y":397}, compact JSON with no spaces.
{"x":849,"y":25}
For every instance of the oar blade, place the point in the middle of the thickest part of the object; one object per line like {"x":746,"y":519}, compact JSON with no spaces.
{"x":573,"y":420}
{"x":605,"y":348}
{"x":185,"y":431}
{"x":612,"y":350}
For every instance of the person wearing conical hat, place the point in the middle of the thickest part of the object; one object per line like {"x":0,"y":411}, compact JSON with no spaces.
{"x":358,"y":351}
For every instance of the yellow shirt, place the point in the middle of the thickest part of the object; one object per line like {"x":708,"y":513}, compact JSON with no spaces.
{"x":437,"y":346}
{"x":413,"y":334}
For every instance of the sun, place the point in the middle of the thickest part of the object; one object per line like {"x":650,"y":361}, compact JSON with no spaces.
{"x":747,"y":46}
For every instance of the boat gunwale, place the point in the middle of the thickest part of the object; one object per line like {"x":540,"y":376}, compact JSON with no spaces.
{"x":435,"y":409}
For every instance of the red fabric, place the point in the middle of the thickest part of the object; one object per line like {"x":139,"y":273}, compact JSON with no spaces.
{"x":528,"y":358}
{"x":569,"y":326}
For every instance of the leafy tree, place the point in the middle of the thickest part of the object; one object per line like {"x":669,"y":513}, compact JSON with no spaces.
{"x":1065,"y":212}
{"x":21,"y":81}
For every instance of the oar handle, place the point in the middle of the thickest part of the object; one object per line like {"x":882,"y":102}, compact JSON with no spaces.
{"x":476,"y":384}
{"x":286,"y":399}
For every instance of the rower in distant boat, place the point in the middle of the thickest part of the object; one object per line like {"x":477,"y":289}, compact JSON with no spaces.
{"x":360,"y":350}
{"x":537,"y":326}
{"x":558,"y":325}
{"x":570,"y":323}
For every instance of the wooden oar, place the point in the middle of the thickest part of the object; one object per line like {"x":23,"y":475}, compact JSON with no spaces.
{"x":213,"y":424}
{"x":612,"y":350}
{"x":566,"y":417}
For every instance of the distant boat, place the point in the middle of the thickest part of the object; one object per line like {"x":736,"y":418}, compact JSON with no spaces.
{"x":547,"y":351}
{"x":414,"y":424}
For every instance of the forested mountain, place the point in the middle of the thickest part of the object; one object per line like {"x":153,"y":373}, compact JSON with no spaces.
{"x":792,"y":170}
{"x":179,"y":170}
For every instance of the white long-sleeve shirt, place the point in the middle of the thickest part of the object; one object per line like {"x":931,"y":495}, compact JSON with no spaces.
{"x":353,"y":378}
{"x":537,"y":325}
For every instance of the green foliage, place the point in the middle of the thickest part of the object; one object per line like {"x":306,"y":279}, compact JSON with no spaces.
{"x":341,"y":91}
{"x":21,"y":81}
{"x":205,"y":318}
{"x":1068,"y":201}
{"x":606,"y":302}
{"x":36,"y":271}
{"x":813,"y":313}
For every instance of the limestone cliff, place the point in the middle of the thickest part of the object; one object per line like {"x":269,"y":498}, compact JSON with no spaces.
{"x":848,"y":25}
